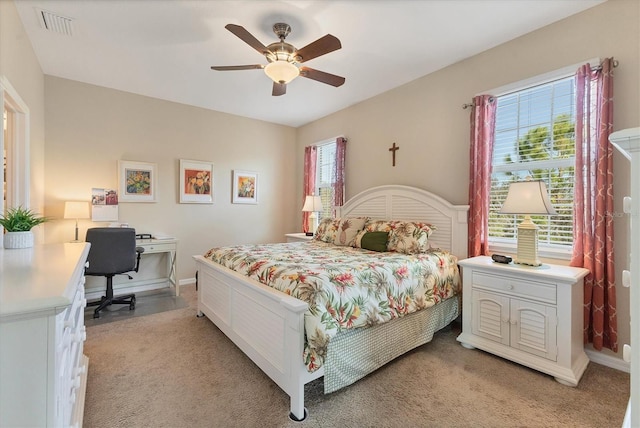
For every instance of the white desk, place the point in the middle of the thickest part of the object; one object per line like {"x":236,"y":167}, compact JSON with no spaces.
{"x":154,"y":272}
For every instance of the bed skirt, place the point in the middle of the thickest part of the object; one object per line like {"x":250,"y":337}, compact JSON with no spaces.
{"x":352,"y":354}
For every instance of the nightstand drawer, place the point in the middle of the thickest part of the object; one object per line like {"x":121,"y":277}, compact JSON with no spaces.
{"x":542,"y":291}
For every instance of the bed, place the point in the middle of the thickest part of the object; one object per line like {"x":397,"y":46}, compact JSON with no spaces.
{"x":269,"y":325}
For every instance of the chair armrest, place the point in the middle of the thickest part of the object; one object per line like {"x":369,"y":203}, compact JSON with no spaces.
{"x":139,"y":251}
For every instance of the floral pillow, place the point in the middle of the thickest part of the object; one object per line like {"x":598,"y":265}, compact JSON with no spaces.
{"x":407,"y":237}
{"x":326,"y":231}
{"x":347,"y":230}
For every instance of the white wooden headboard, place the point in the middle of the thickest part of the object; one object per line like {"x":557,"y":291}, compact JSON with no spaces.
{"x":396,"y":202}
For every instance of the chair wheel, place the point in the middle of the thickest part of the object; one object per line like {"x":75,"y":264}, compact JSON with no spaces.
{"x":132,"y":305}
{"x":96,"y":315}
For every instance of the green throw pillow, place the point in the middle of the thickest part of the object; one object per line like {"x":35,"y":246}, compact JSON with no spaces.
{"x":375,"y":241}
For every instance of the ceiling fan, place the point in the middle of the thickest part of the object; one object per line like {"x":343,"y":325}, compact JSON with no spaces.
{"x":284,"y":58}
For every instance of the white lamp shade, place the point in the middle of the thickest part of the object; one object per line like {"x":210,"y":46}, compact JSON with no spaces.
{"x":312,"y":204}
{"x":76,"y":209}
{"x":528,"y":197}
{"x":281,"y":71}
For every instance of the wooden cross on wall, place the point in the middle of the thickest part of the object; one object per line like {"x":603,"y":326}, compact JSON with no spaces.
{"x":393,"y":150}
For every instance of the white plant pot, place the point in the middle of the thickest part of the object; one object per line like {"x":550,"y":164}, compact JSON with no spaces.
{"x":18,"y":240}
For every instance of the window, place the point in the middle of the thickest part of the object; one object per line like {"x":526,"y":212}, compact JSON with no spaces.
{"x":325,"y":173}
{"x":535,"y":137}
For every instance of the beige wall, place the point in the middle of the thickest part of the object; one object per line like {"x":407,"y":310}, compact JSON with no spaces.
{"x":20,"y":66}
{"x":425,"y":118}
{"x":89,"y":128}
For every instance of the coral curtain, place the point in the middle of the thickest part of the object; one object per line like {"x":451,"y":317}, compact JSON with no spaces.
{"x":593,"y":203}
{"x":483,"y":119}
{"x":309,"y":185}
{"x":338,"y":173}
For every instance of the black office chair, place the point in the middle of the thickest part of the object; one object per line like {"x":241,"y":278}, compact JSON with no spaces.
{"x":113,"y":252}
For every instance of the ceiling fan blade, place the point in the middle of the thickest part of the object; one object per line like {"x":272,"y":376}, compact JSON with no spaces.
{"x":247,"y":37}
{"x":321,"y":76}
{"x":279,"y":89}
{"x":236,"y":67}
{"x":322,"y":46}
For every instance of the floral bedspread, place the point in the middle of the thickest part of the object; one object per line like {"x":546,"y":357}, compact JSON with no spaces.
{"x":345,"y":287}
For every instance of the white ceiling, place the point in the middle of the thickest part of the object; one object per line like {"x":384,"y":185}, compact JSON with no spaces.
{"x":164,"y":48}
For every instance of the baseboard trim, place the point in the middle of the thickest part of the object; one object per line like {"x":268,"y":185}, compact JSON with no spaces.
{"x":608,"y":360}
{"x":187,"y":281}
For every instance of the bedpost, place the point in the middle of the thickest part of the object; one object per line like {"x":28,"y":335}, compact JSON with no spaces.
{"x":294,"y":346}
{"x":298,"y":411}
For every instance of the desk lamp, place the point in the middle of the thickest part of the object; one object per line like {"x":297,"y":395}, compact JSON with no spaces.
{"x":312,"y":204}
{"x":76,"y":210}
{"x":528,"y":198}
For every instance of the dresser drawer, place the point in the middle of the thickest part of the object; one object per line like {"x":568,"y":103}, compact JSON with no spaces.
{"x":541,"y":291}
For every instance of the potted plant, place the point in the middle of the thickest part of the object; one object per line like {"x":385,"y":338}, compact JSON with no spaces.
{"x":17,"y":223}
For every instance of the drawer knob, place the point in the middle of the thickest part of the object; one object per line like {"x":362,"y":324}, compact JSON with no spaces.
{"x":626,"y":204}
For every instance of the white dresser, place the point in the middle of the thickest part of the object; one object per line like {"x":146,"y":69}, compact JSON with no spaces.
{"x":43,"y":370}
{"x":530,"y":315}
{"x":628,"y":142}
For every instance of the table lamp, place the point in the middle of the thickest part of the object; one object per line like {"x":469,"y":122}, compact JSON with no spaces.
{"x":528,"y":198}
{"x":76,"y":210}
{"x":312,"y":204}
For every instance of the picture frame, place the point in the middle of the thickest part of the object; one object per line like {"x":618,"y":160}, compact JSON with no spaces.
{"x":137,"y":181}
{"x":245,"y":187}
{"x":196,"y":182}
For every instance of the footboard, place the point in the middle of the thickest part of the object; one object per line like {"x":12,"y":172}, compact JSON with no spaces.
{"x":267,"y":325}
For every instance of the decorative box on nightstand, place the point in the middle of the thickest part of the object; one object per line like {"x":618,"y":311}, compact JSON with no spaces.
{"x":530,"y":315}
{"x":298,"y":237}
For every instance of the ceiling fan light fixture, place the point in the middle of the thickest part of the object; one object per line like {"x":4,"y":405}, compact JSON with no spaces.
{"x":281,"y":71}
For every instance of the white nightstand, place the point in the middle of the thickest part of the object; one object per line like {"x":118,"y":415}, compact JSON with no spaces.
{"x":530,"y":315}
{"x":297,"y":237}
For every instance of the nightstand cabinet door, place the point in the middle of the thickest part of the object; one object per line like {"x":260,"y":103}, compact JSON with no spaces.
{"x":533,"y":328}
{"x":490,"y":316}
{"x":520,"y":324}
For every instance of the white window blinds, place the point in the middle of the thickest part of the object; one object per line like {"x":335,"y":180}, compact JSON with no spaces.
{"x":535,"y":137}
{"x":325,"y":167}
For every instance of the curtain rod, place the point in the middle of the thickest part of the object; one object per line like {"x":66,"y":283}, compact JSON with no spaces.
{"x":466,"y":106}
{"x":598,"y":67}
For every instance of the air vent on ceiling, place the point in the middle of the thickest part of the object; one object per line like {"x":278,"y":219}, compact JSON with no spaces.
{"x":54,"y":22}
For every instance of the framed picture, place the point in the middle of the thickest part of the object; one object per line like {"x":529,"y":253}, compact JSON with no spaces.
{"x":196,"y":182}
{"x":137,"y":181}
{"x":245,"y":187}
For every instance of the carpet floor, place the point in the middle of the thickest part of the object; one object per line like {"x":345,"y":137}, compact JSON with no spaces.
{"x":171,"y":369}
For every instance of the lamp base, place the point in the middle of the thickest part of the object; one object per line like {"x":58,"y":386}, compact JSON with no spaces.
{"x":527,"y":244}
